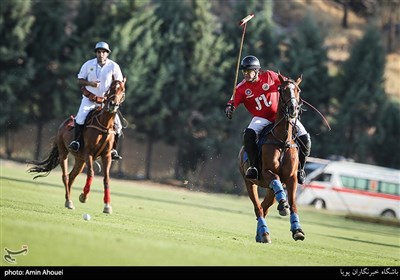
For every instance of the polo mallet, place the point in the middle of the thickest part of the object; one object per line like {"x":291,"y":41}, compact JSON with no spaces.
{"x":243,"y":23}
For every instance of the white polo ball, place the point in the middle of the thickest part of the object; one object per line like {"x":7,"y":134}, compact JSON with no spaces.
{"x":86,"y":217}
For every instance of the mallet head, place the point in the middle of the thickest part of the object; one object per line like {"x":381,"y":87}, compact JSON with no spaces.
{"x":246,"y":19}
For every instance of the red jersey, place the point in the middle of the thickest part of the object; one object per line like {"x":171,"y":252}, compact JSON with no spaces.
{"x":260,"y":98}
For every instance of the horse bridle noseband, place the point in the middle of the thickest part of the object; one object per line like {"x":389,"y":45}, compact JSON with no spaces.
{"x":284,"y":105}
{"x":111,"y":103}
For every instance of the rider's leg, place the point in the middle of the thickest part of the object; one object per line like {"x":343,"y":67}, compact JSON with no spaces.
{"x":118,"y":134}
{"x":250,"y":146}
{"x":304,"y":143}
{"x":114,"y":152}
{"x":75,"y":144}
{"x":84,"y":109}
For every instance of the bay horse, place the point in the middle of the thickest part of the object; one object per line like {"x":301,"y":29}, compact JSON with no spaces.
{"x":279,"y":163}
{"x":98,"y":138}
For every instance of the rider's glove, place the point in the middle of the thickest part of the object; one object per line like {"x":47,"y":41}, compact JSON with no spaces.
{"x":229,"y":109}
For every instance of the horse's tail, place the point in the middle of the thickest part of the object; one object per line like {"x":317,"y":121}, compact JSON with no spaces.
{"x":45,"y":166}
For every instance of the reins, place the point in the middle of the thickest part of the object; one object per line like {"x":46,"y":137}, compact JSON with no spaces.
{"x":283,"y":108}
{"x":322,"y":116}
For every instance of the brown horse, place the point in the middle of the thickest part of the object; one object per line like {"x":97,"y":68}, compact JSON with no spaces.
{"x":98,"y":139}
{"x":279,"y":164}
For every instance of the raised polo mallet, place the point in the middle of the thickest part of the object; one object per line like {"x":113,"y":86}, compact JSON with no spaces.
{"x":243,"y":23}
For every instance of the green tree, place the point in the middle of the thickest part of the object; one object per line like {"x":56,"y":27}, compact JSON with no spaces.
{"x":192,"y":57}
{"x":95,"y":21}
{"x":307,"y":56}
{"x":385,"y":145}
{"x":16,"y":69}
{"x":146,"y":74}
{"x":46,"y":41}
{"x":360,"y":98}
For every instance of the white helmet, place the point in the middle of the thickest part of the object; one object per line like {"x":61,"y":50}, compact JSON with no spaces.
{"x":102,"y":45}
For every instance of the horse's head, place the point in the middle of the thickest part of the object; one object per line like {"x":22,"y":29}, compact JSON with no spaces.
{"x":289,"y":100}
{"x":115,"y":95}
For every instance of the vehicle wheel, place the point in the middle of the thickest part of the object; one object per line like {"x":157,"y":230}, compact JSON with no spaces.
{"x":319,"y":204}
{"x":388,"y":214}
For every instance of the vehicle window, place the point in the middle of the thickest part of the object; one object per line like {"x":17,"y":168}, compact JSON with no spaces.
{"x":389,"y":188}
{"x":354,"y":183}
{"x":323,"y":177}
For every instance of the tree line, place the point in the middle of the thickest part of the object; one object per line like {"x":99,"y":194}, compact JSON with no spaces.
{"x":179,"y":58}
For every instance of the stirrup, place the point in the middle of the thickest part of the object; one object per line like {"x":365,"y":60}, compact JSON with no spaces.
{"x":74,"y":146}
{"x":115,"y":155}
{"x":252,"y":173}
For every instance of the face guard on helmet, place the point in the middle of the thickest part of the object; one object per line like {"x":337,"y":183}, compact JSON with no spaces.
{"x":250,"y":62}
{"x":102,"y":45}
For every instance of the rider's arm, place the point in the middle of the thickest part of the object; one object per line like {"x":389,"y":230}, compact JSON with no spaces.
{"x":84,"y":82}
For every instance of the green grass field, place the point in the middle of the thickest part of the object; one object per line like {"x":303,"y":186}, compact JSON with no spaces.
{"x":156,"y":225}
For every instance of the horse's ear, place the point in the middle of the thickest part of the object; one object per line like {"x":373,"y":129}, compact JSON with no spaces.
{"x":299,"y":79}
{"x":281,"y":77}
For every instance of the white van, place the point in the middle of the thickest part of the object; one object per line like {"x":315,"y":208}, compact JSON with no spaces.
{"x":353,"y":187}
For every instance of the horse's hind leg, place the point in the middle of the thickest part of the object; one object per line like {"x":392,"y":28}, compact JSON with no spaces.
{"x":262,"y":234}
{"x":76,"y":170}
{"x":65,"y":178}
{"x":295,"y":227}
{"x":83,"y":197}
{"x":262,"y":230}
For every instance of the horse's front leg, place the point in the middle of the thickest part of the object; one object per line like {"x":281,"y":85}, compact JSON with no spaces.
{"x":291,"y":186}
{"x":295,"y":227}
{"x":106,"y":182}
{"x":89,"y":179}
{"x":270,"y":167}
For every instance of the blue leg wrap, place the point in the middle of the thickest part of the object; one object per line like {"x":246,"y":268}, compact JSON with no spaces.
{"x":277,"y":187}
{"x":294,"y":222}
{"x":261,"y":228}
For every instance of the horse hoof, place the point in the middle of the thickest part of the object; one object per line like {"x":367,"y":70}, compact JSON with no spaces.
{"x":298,"y":234}
{"x":83,"y":198}
{"x":69,"y":204}
{"x":107,"y":209}
{"x":283,"y":208}
{"x":266,"y":238}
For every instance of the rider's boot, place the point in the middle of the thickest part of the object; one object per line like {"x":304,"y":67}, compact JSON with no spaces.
{"x":114,"y":152}
{"x":250,"y":146}
{"x":75,"y":145}
{"x":304,"y":143}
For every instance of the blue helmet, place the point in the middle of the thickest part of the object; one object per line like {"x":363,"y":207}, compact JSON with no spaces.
{"x":250,"y":62}
{"x":102,"y":45}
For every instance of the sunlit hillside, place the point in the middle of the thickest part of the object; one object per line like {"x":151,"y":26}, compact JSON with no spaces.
{"x":339,"y":40}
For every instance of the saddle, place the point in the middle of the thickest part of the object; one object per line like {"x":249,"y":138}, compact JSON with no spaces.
{"x":89,"y":118}
{"x":262,"y":138}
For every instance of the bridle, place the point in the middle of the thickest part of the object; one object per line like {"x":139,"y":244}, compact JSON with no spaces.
{"x":115,"y":96}
{"x":292,"y":105}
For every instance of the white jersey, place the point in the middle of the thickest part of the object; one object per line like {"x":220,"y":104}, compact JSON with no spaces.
{"x":93,"y":72}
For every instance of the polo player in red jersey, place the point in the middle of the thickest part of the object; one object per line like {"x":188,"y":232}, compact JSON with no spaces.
{"x":259,"y":94}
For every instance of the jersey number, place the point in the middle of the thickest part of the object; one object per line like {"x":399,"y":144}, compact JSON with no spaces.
{"x":261,"y":99}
